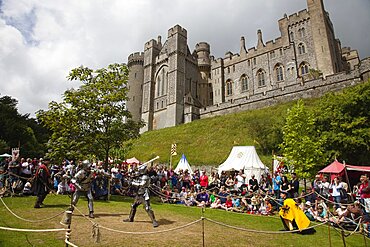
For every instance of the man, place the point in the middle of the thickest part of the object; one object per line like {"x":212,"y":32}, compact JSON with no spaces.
{"x":240,"y":178}
{"x":42,"y":182}
{"x":276,"y":181}
{"x":364,"y":192}
{"x":82,"y":182}
{"x":142,"y":183}
{"x":294,"y":185}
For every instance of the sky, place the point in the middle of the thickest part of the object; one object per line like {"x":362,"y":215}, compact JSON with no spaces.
{"x":41,"y":41}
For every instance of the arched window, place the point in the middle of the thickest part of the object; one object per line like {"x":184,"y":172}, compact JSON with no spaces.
{"x":301,"y":48}
{"x":291,"y":34}
{"x":279,"y":72}
{"x":161,"y":82}
{"x":304,"y":68}
{"x":229,"y":87}
{"x":302,"y":32}
{"x":261,"y":78}
{"x":244,"y":82}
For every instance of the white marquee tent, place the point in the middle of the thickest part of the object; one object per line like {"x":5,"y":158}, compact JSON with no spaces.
{"x":245,"y":158}
{"x":183,"y":165}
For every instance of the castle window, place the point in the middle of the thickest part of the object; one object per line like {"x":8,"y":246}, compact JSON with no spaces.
{"x":233,"y":68}
{"x":304,"y":68}
{"x":301,"y":49}
{"x":302,"y":32}
{"x":249,"y":63}
{"x":291,"y":35}
{"x":228,"y":70}
{"x":244,"y":83}
{"x":279,"y":72}
{"x":229,"y":87}
{"x":254,"y":61}
{"x":261,"y":78}
{"x":161,"y":82}
{"x":272,"y":54}
{"x":135,"y":74}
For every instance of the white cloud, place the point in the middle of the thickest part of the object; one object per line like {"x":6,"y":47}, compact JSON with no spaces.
{"x":41,"y":41}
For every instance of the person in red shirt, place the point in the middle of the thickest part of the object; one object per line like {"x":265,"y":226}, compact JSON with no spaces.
{"x":203,"y":180}
{"x":228,"y":204}
{"x":364,"y":189}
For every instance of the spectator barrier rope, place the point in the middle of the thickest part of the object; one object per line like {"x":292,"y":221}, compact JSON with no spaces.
{"x":33,"y":221}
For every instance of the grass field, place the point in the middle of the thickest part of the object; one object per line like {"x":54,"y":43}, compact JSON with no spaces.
{"x":110,"y":214}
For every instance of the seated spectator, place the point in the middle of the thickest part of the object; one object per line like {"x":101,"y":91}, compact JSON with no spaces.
{"x":309,"y":211}
{"x":310,"y":196}
{"x":63,"y":187}
{"x":202,"y":199}
{"x":190,"y":201}
{"x":100,"y":186}
{"x":223,"y":194}
{"x":216,"y":203}
{"x":321,"y":214}
{"x":27,"y":190}
{"x":228,"y":205}
{"x":230,"y":182}
{"x":117,"y":188}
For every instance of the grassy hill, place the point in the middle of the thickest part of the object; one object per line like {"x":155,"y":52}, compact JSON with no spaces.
{"x":209,"y":141}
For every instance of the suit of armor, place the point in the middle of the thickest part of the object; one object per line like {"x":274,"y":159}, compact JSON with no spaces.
{"x":82,"y":181}
{"x":142,"y":183}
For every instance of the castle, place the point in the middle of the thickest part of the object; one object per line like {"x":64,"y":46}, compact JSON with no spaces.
{"x":169,"y":85}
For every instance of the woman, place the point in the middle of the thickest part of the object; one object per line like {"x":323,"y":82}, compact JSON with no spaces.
{"x":285,"y":186}
{"x":230,"y":182}
{"x":336,"y":186}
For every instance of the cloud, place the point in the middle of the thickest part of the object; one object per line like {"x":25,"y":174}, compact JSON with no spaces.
{"x":41,"y":41}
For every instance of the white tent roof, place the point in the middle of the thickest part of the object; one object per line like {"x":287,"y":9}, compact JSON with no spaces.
{"x":183,"y":165}
{"x":244,"y":158}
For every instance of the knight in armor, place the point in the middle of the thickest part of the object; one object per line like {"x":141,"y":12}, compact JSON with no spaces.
{"x":141,"y":182}
{"x":82,"y":181}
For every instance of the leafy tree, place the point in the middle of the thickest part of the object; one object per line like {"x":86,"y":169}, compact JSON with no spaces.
{"x":19,"y":130}
{"x":343,"y":120}
{"x":302,"y":145}
{"x":93,"y":119}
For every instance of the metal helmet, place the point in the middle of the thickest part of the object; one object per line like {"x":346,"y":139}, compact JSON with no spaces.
{"x":86,"y":164}
{"x":142,"y":169}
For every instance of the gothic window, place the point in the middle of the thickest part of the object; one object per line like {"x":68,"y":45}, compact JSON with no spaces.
{"x":301,"y":49}
{"x":162,"y":82}
{"x":261,"y":78}
{"x":244,"y":83}
{"x":304,"y":68}
{"x":279,"y":72}
{"x":302,"y":32}
{"x":229,"y":87}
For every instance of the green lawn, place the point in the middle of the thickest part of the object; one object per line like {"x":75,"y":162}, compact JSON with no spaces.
{"x":110,"y":214}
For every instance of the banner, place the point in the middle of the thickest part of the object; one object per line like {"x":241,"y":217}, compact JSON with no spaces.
{"x":173,"y":149}
{"x":15,"y":154}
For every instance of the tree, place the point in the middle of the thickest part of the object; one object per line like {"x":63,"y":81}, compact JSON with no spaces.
{"x":302,"y":146}
{"x":93,"y":119}
{"x":18,"y":130}
{"x":343,"y":119}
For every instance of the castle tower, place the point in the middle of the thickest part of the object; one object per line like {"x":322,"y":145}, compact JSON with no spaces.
{"x":151,"y":51}
{"x":177,"y":51}
{"x":325,"y":45}
{"x":135,"y":84}
{"x":204,"y":64}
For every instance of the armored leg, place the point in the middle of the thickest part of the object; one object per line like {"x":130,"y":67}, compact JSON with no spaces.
{"x":150,"y":212}
{"x":90,"y":203}
{"x":131,"y":217}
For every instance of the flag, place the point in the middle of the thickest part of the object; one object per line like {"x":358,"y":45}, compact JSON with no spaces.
{"x":173,"y":149}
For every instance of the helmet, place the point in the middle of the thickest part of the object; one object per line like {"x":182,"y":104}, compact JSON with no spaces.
{"x":86,"y":164}
{"x":142,"y":169}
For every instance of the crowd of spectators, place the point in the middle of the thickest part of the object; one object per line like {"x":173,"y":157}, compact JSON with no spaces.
{"x":322,"y":201}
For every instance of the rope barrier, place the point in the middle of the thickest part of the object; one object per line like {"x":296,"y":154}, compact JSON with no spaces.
{"x":260,"y":231}
{"x":31,"y":230}
{"x":69,"y":243}
{"x":33,"y":221}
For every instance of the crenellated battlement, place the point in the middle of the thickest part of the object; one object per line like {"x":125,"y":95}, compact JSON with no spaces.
{"x":177,"y":30}
{"x":136,"y":57}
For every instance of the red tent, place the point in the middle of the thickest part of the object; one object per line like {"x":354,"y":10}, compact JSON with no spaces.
{"x":334,"y":169}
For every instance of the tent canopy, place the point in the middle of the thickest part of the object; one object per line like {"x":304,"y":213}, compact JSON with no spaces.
{"x":336,"y":167}
{"x":183,"y":165}
{"x":244,"y":158}
{"x":133,"y":160}
{"x":5,"y":155}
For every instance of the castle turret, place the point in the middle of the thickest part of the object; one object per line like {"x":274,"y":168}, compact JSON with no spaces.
{"x":260,"y":43}
{"x":243,"y":50}
{"x":204,"y":64}
{"x":135,"y":83}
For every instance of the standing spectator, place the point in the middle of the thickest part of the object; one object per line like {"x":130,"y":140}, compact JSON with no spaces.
{"x":324,"y":187}
{"x":336,"y":187}
{"x":253,"y":183}
{"x":276,"y":181}
{"x":42,"y":182}
{"x":294,"y":185}
{"x":285,"y":186}
{"x":364,"y":192}
{"x":230,"y":182}
{"x":240,"y":180}
{"x":186,"y":178}
{"x":223,"y":178}
{"x":203,"y":180}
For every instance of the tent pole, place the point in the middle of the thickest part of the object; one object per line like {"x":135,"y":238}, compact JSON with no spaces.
{"x":345,"y":171}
